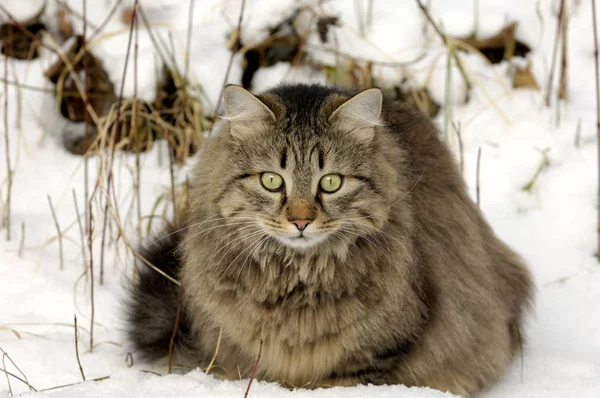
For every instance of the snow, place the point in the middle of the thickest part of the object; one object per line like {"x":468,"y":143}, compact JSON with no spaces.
{"x":553,"y":226}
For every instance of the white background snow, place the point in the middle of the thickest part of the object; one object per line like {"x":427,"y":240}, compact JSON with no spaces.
{"x":553,"y":227}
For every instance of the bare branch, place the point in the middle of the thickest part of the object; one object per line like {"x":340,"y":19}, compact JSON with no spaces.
{"x":234,"y":48}
{"x":595,"y":21}
{"x":59,"y":234}
{"x":254,"y":370}
{"x":77,"y":348}
{"x":555,"y":52}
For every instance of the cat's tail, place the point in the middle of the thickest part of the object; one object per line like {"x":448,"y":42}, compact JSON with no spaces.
{"x":153,"y":302}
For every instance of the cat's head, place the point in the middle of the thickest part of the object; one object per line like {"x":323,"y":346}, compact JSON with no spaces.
{"x":303,"y":164}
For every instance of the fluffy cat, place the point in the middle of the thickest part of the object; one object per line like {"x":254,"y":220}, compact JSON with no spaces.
{"x":335,"y":228}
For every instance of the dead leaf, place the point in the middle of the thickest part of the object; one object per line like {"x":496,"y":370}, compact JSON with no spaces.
{"x":499,"y":47}
{"x":523,"y":78}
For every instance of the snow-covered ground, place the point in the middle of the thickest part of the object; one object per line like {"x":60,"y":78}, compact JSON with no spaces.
{"x":553,"y":225}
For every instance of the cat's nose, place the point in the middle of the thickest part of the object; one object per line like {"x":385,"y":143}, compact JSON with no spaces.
{"x":301,"y":224}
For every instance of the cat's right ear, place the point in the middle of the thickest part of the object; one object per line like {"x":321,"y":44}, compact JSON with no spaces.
{"x":242,"y":106}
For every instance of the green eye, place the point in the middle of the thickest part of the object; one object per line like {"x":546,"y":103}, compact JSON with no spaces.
{"x":271,"y":181}
{"x":331,"y":183}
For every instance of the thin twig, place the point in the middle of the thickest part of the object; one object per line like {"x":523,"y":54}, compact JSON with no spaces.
{"x":475,"y":17}
{"x":597,"y":107}
{"x":370,"y":13}
{"x":563,"y":77}
{"x":214,"y":358}
{"x":81,"y":232}
{"x":115,"y":134}
{"x":77,"y":348}
{"x":477,"y":175}
{"x":24,"y":380}
{"x":338,"y":53}
{"x":171,"y":149}
{"x":26,"y":86}
{"x":254,"y":370}
{"x":234,"y":49}
{"x":73,"y":384}
{"x":86,"y":174}
{"x":7,"y":150}
{"x":91,"y":276}
{"x":6,"y":373}
{"x":447,"y":42}
{"x":188,"y":43}
{"x":109,"y":16}
{"x":554,"y":52}
{"x":22,"y":242}
{"x":460,"y":146}
{"x":78,"y":15}
{"x":359,"y":20}
{"x":138,"y":169}
{"x":58,"y":231}
{"x":544,"y":163}
{"x":175,"y":328}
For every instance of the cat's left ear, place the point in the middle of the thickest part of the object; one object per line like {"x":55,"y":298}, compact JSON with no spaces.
{"x":242,"y":106}
{"x":361,"y":112}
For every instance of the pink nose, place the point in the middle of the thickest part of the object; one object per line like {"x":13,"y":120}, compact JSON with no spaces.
{"x":301,"y":224}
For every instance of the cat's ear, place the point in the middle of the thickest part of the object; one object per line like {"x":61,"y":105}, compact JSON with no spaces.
{"x":361,"y":113}
{"x":242,"y":106}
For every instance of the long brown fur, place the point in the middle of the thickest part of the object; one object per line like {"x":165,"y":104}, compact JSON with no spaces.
{"x":406,"y":284}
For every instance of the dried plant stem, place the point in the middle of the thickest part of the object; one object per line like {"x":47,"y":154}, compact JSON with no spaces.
{"x":562,"y":82}
{"x":24,"y":380}
{"x":74,"y":384}
{"x":214,"y":358}
{"x":26,"y":86}
{"x":475,"y":17}
{"x":260,"y":347}
{"x":545,"y":162}
{"x":555,"y":52}
{"x":59,"y":234}
{"x":77,"y":348}
{"x":447,"y":42}
{"x":14,"y":376}
{"x":359,"y":19}
{"x":448,"y":92}
{"x":370,"y":13}
{"x":83,"y":18}
{"x":91,"y":262}
{"x":133,"y":127}
{"x":477,"y":188}
{"x":109,"y":16}
{"x":461,"y":152}
{"x":234,"y":48}
{"x":175,"y":328}
{"x":113,"y":139}
{"x":6,"y":373}
{"x":188,"y":42}
{"x":171,"y":149}
{"x":86,"y":173}
{"x":22,"y":242}
{"x":81,"y":232}
{"x":7,"y":150}
{"x":338,"y":53}
{"x":594,"y":20}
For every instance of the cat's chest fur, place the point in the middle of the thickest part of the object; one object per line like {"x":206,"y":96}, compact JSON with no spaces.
{"x":309,"y":312}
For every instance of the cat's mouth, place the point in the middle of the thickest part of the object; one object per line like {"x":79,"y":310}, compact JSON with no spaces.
{"x":301,"y":241}
{"x":297,"y":239}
